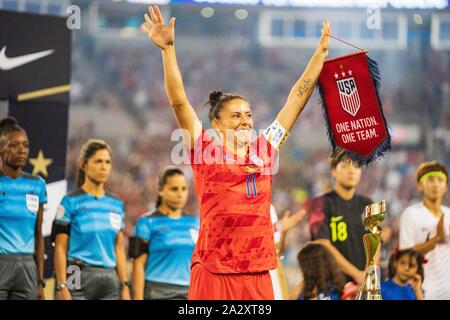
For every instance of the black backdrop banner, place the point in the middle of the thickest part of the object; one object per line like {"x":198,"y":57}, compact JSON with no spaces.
{"x":35,"y":67}
{"x":47,"y":37}
{"x":35,"y":64}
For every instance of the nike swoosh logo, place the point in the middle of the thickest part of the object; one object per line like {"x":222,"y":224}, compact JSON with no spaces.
{"x":11,"y":63}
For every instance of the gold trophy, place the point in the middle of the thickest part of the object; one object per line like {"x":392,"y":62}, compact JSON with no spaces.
{"x":374,"y":213}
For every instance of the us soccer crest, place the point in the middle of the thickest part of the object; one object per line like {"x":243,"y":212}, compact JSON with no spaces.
{"x":349,"y":89}
{"x":348,"y":94}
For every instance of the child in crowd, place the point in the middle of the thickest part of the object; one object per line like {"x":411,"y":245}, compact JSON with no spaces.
{"x":405,"y":276}
{"x":322,"y":279}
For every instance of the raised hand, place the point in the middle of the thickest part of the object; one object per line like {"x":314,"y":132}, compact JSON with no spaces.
{"x":416,"y":282}
{"x":440,"y":235}
{"x":290,"y":220}
{"x":324,"y":42}
{"x":160,"y":34}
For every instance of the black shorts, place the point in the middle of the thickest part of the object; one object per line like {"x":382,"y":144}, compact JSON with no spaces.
{"x":164,"y":291}
{"x":18,"y":277}
{"x":96,"y":284}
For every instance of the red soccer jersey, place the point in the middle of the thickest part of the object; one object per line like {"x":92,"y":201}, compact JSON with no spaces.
{"x":236,"y":233}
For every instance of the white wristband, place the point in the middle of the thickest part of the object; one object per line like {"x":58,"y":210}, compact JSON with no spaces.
{"x":276,"y":135}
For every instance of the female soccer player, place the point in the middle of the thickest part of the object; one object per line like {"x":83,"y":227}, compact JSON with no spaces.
{"x":233,"y":176}
{"x":22,"y":197}
{"x":163,"y":242}
{"x":88,"y":233}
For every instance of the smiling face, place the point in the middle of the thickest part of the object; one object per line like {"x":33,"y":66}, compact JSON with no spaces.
{"x":235,"y":122}
{"x":16,"y":150}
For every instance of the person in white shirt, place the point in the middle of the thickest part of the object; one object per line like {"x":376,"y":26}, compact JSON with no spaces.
{"x":425,"y":227}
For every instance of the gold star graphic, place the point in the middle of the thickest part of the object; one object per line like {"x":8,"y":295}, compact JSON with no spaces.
{"x":40,"y":164}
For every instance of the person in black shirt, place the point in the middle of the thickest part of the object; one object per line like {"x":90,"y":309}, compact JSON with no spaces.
{"x":335,"y":219}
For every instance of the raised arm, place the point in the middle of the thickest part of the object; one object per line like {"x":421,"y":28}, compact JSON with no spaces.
{"x":163,"y":36}
{"x":431,"y":243}
{"x":303,"y":88}
{"x":288,"y":222}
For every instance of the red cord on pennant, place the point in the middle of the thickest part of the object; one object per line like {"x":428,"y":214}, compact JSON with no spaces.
{"x":347,"y":43}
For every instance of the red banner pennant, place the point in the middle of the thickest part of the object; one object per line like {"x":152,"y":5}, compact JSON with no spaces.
{"x":348,"y":87}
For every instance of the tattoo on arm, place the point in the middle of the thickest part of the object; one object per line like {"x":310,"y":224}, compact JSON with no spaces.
{"x":304,"y":87}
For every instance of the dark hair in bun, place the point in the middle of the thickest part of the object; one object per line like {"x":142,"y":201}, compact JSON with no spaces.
{"x":214,"y":96}
{"x":217,"y":100}
{"x":8,"y":125}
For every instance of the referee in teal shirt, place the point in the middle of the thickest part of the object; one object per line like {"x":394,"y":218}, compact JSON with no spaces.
{"x":22,"y":197}
{"x":88,"y":232}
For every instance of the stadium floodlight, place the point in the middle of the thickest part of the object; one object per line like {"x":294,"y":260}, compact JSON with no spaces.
{"x":241,"y":14}
{"x":418,"y":19}
{"x":207,"y":12}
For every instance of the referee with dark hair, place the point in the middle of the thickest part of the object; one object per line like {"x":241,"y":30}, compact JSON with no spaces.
{"x":163,"y":243}
{"x":88,"y":233}
{"x":22,"y":197}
